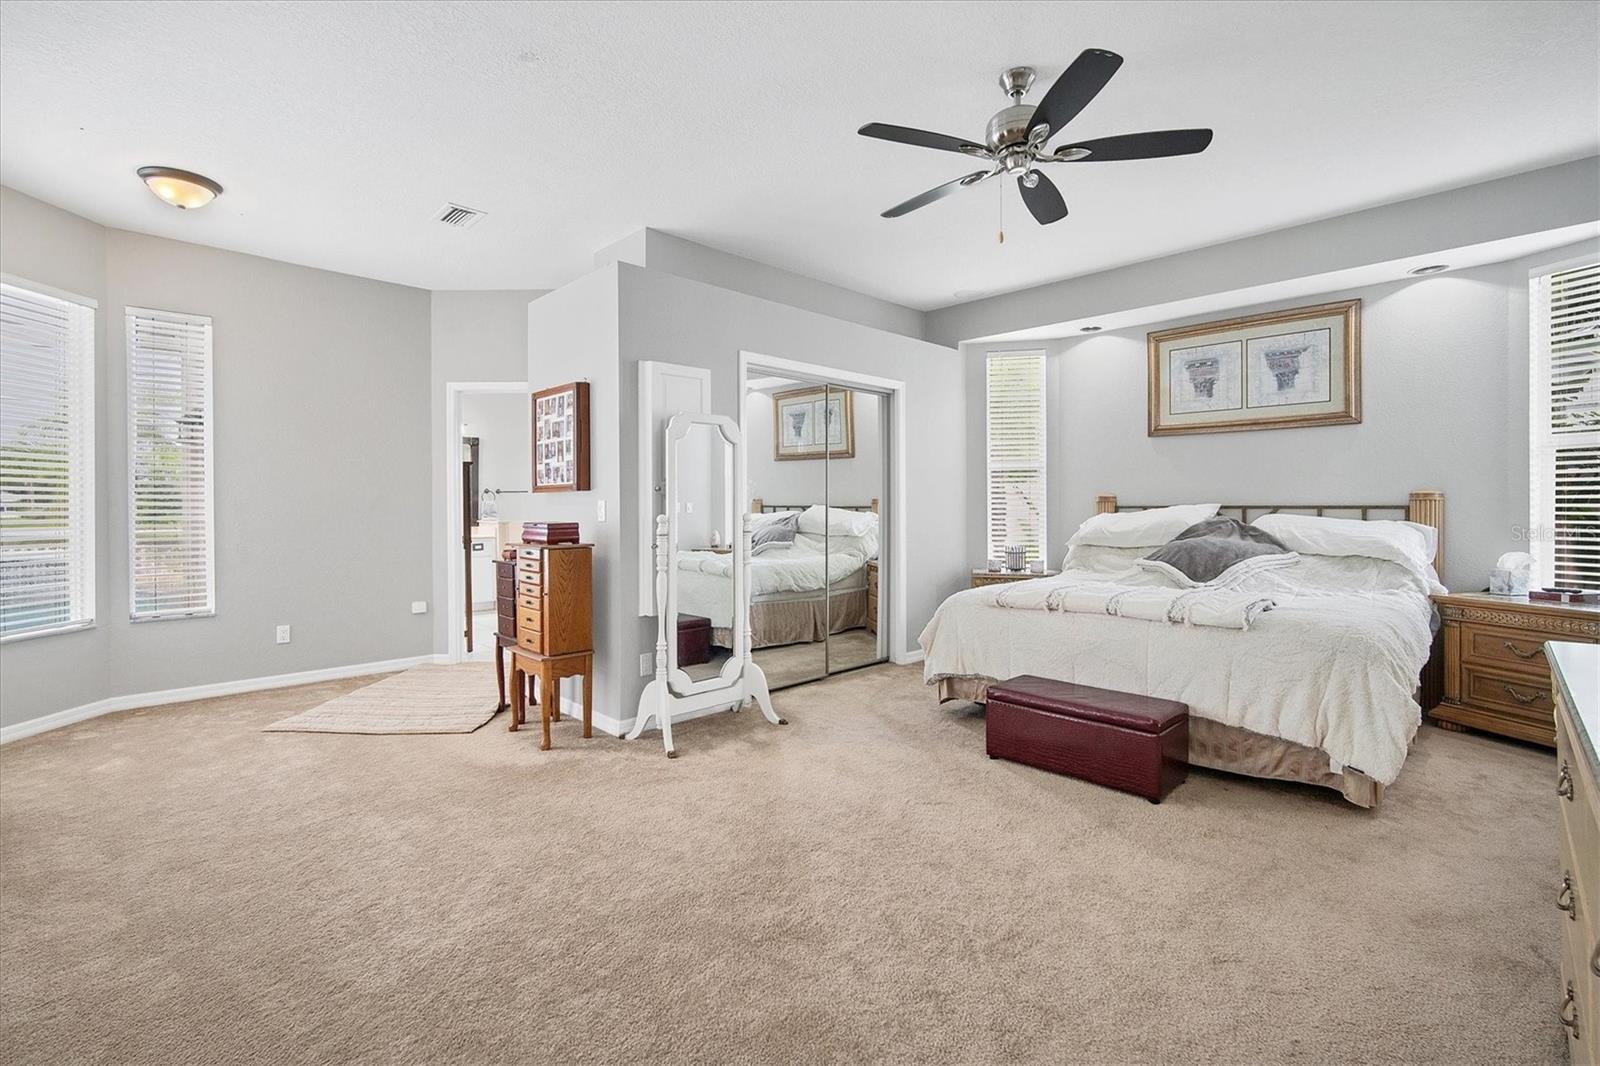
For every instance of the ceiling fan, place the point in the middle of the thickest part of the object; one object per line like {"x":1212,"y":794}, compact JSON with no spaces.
{"x":1015,"y":140}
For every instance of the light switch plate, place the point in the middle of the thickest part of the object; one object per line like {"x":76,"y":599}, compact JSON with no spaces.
{"x":283,"y":634}
{"x":419,"y":606}
{"x":600,"y":510}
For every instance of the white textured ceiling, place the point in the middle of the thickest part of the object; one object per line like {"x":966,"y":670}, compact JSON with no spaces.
{"x":339,"y":128}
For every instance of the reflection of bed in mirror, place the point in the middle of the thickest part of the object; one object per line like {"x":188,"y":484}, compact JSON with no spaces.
{"x":788,"y":604}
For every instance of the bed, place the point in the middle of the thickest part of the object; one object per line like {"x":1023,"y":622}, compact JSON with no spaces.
{"x":1322,"y":689}
{"x":788,"y":604}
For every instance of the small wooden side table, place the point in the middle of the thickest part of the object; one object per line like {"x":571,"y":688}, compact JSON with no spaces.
{"x":981,"y":578}
{"x":550,"y":669}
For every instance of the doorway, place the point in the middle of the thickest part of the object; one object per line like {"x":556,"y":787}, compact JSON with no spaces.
{"x":488,"y":477}
{"x":818,"y":481}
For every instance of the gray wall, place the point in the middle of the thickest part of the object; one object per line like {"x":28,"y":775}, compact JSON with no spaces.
{"x":1444,"y":402}
{"x":677,"y":320}
{"x":474,"y":336}
{"x":662,"y":251}
{"x":321,"y":381}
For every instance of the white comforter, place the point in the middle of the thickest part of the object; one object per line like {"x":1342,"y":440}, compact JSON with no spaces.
{"x":1332,"y":666}
{"x":705,"y":579}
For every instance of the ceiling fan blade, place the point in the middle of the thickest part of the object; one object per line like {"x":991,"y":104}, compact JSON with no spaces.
{"x":1153,"y":145}
{"x":1044,"y":199}
{"x":922,"y":138}
{"x":938,"y":192}
{"x":1072,"y":92}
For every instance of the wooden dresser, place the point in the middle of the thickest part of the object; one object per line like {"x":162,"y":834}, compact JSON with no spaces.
{"x":872,"y":596}
{"x":555,"y":586}
{"x":555,"y":629}
{"x":1496,"y":676}
{"x":1575,"y":673}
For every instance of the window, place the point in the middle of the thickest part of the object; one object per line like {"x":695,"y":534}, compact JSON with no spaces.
{"x":1016,"y":452}
{"x":172,"y":568}
{"x":46,"y":460}
{"x":1564,"y":420}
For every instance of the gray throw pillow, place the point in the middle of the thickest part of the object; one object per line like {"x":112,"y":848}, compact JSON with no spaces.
{"x":1208,"y":548}
{"x":772,"y":532}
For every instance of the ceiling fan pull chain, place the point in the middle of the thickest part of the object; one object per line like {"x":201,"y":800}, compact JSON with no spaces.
{"x":1002,"y":231}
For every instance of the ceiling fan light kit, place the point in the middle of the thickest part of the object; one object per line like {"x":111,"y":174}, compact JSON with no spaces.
{"x":1016,"y":137}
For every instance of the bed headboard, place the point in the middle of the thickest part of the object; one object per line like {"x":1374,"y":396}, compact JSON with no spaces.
{"x":1425,"y":507}
{"x":760,"y":506}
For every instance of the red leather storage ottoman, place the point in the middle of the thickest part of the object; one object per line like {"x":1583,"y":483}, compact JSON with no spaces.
{"x":1133,"y":743}
{"x":694,"y":640}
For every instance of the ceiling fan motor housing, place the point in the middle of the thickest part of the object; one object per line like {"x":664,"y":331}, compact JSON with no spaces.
{"x":1009,"y":127}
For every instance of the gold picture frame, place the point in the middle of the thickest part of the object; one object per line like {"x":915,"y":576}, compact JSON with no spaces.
{"x":797,"y":413}
{"x":1280,"y":370}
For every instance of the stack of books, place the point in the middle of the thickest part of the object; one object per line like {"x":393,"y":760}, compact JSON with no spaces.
{"x":549,"y":532}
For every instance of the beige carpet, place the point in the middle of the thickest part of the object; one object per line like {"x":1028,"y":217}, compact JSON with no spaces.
{"x":862,"y":884}
{"x":424,"y":699}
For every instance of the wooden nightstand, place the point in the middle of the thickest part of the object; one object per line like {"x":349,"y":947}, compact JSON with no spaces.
{"x":981,"y":578}
{"x":872,"y":596}
{"x":1496,"y":677}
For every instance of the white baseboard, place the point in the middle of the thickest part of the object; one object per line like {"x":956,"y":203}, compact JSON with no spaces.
{"x":906,"y":658}
{"x":56,"y":720}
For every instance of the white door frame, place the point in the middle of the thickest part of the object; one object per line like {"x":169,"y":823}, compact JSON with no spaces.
{"x":455,"y":578}
{"x":752,"y":364}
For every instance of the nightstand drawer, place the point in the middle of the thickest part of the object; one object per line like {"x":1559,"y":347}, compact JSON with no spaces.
{"x":1505,"y":649}
{"x":1517,"y":694}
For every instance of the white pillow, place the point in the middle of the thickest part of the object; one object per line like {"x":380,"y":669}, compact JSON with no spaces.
{"x":836,"y":521}
{"x":1407,"y":543}
{"x":1140,"y":529}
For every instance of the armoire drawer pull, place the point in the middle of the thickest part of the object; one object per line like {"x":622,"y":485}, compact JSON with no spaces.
{"x":1533,"y":697}
{"x":1564,"y":781}
{"x":1570,"y":1003}
{"x":1567,"y":899}
{"x":1518,"y":652}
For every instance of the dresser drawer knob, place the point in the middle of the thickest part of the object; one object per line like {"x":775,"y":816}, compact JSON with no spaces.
{"x":1567,"y":899}
{"x":1518,"y":652}
{"x":1522,"y":697}
{"x":1564,"y":781}
{"x":1570,"y":1005}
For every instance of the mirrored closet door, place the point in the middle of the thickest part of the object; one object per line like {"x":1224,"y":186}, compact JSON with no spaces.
{"x":817,"y":488}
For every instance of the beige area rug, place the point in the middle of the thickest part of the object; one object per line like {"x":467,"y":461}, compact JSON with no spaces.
{"x":861,"y":885}
{"x":457,"y":698}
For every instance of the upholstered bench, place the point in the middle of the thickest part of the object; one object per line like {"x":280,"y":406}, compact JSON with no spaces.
{"x":694,"y":640}
{"x":1133,"y":743}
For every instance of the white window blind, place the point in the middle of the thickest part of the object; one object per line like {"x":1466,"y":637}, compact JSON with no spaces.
{"x":1565,"y":426}
{"x":46,"y":461}
{"x":172,"y":569}
{"x":1016,"y":436}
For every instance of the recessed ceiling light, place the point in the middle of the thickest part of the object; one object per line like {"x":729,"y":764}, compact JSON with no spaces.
{"x":181,"y":188}
{"x":1089,"y":329}
{"x":1431,"y":268}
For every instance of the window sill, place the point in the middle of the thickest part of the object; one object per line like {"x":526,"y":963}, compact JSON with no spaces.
{"x":33,"y":634}
{"x":172,"y":616}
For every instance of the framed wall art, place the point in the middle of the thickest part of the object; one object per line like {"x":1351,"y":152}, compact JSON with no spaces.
{"x":1284,"y":369}
{"x":561,"y":438}
{"x":813,"y":423}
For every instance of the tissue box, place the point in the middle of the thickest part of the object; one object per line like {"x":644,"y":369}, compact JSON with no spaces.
{"x":1508,"y":582}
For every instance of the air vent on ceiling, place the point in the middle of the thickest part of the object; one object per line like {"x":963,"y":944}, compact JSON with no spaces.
{"x":457,"y":216}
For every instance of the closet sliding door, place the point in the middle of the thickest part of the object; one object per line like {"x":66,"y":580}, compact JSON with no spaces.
{"x":856,"y":492}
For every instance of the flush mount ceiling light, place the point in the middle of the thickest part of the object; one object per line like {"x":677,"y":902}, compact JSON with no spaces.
{"x":1431,"y":268}
{"x":181,"y":188}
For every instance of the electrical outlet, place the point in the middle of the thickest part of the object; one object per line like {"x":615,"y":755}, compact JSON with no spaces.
{"x":647,"y":664}
{"x":283,"y":634}
{"x":419,"y":606}
{"x":599,"y":510}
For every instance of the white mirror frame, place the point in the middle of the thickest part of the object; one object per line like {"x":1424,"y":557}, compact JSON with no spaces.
{"x":672,"y":694}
